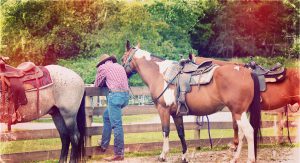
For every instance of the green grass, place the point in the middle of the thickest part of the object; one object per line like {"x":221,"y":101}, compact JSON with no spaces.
{"x":126,"y":119}
{"x":130,"y":119}
{"x":130,"y":138}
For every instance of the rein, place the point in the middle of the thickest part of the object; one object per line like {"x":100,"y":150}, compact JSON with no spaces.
{"x":156,"y":99}
{"x":287,"y":123}
{"x":132,"y":95}
{"x":129,"y":59}
{"x":200,"y":124}
{"x":127,"y":65}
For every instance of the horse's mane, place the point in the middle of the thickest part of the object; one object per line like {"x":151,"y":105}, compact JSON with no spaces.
{"x":157,"y":58}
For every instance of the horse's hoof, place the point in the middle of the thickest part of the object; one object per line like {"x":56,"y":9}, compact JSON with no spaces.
{"x":184,"y":161}
{"x":232,"y":147}
{"x":161,"y":159}
{"x":233,"y":161}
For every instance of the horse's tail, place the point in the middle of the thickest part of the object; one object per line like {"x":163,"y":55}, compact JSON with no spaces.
{"x":254,"y":109}
{"x":81,"y":124}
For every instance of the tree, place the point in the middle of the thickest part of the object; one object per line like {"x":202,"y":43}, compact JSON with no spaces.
{"x":245,"y":28}
{"x":180,"y":16}
{"x":33,"y":29}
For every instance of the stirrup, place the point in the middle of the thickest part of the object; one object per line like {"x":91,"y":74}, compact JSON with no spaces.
{"x":182,"y":112}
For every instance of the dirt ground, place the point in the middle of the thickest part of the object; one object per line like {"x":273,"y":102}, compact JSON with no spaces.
{"x":265,"y":155}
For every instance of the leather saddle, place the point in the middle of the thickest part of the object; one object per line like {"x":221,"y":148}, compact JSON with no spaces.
{"x":277,"y":73}
{"x":183,"y":75}
{"x":14,"y":84}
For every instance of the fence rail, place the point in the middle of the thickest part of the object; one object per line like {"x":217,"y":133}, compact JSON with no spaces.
{"x":93,"y":110}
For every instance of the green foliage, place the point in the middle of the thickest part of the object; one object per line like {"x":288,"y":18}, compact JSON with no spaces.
{"x":126,"y":24}
{"x":43,"y":31}
{"x":246,"y":28}
{"x":271,"y":61}
{"x":76,"y":32}
{"x":180,"y":17}
{"x":136,"y":80}
{"x":295,"y":50}
{"x":86,"y":68}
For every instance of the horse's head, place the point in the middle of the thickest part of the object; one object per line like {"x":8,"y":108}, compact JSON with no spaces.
{"x":127,"y":58}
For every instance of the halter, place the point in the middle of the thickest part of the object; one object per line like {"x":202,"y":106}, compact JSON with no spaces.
{"x":126,"y":65}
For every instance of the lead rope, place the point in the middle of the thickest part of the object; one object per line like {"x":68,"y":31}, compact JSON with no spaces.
{"x":208,"y":127}
{"x":37,"y":93}
{"x":287,"y":123}
{"x":132,"y":95}
{"x":156,"y":99}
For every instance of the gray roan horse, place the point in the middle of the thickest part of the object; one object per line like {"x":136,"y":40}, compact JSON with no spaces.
{"x":231,"y":86}
{"x":64,"y":100}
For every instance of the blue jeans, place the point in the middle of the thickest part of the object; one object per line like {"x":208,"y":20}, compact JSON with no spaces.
{"x":112,"y":119}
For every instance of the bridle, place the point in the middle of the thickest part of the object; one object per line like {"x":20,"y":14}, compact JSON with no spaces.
{"x":127,"y":63}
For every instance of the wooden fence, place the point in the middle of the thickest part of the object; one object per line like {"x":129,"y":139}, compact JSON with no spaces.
{"x":93,"y":109}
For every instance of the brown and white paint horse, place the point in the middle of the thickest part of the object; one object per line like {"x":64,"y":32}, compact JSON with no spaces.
{"x":277,"y":95}
{"x":231,"y":86}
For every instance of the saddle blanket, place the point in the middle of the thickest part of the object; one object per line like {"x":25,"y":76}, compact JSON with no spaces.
{"x":172,"y":70}
{"x":44,"y":81}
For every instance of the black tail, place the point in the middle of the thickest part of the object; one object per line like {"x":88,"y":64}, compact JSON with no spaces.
{"x":255,"y":117}
{"x":81,"y":124}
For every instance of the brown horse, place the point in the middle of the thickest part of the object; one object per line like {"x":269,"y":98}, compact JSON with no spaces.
{"x":201,"y":100}
{"x":277,"y":95}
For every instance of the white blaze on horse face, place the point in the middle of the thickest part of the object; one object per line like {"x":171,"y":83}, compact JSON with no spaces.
{"x":142,"y":53}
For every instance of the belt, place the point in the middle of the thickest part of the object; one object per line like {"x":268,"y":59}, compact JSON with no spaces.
{"x":118,"y":90}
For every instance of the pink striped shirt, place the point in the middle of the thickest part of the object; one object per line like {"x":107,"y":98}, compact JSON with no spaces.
{"x":113,"y":74}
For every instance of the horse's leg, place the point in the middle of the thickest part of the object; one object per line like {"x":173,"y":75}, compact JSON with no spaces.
{"x":180,"y":131}
{"x":73,"y":132}
{"x":235,"y":141}
{"x":74,"y":137}
{"x":245,"y":129}
{"x":164,"y":114}
{"x":64,"y":136}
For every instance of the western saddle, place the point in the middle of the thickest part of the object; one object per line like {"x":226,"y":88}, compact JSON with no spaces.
{"x":275,"y":74}
{"x":183,"y":75}
{"x":13,"y":87}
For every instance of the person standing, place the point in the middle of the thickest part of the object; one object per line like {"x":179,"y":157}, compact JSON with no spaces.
{"x":113,"y":75}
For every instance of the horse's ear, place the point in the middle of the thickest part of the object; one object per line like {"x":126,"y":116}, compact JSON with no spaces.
{"x":127,"y":47}
{"x":191,"y":56}
{"x":138,"y":46}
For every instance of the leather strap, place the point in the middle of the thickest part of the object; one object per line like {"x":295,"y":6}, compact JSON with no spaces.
{"x":37,"y":93}
{"x":3,"y":92}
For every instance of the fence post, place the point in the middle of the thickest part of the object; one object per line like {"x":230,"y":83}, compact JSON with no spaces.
{"x":197,"y":132}
{"x":279,"y":125}
{"x":89,"y":120}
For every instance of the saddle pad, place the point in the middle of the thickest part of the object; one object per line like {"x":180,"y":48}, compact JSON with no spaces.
{"x":44,"y":81}
{"x":204,"y":78}
{"x":173,"y":69}
{"x":171,"y":72}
